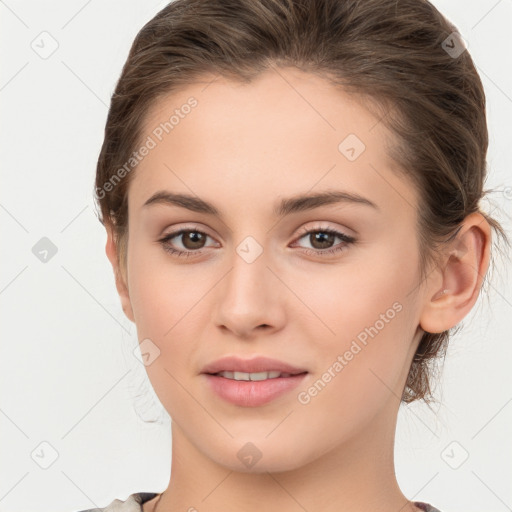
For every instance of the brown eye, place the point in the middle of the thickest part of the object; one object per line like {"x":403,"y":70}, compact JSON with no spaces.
{"x":321,"y":239}
{"x":185,"y":242}
{"x":193,"y":239}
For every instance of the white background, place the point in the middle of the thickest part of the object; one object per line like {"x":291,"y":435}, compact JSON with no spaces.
{"x":68,"y":376}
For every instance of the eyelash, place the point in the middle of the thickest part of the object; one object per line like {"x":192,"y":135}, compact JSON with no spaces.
{"x":348,"y":240}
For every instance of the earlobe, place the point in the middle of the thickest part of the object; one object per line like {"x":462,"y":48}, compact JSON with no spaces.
{"x":121,"y":285}
{"x":448,"y":302}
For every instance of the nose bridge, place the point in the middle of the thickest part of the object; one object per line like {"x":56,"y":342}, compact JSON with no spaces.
{"x":247,"y":281}
{"x":247,"y":296}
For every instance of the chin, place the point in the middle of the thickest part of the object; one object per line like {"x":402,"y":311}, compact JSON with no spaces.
{"x":260,"y":456}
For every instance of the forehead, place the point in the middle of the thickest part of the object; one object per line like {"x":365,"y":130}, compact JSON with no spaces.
{"x":280,"y":94}
{"x":285,"y":131}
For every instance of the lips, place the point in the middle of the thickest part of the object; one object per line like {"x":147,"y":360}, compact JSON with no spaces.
{"x":252,"y":394}
{"x":254,"y":365}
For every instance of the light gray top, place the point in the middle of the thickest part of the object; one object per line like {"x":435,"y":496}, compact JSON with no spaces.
{"x":135,"y":501}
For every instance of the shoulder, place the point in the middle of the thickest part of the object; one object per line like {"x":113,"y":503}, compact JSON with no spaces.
{"x":132,"y":504}
{"x":426,"y":507}
{"x":135,"y":501}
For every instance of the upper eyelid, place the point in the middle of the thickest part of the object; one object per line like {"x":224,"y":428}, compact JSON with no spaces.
{"x":302,"y":230}
{"x":306,"y":230}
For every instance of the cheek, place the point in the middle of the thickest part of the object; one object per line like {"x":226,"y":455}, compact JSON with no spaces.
{"x":366,"y":315}
{"x":165,"y":305}
{"x":352,"y":296}
{"x":362,"y":368}
{"x":161,"y":294}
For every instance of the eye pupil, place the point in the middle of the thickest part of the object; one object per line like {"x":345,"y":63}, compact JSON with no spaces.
{"x":325,"y":239}
{"x":195,"y":238}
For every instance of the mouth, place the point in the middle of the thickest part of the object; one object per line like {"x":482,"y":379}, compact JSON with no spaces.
{"x":252,"y":389}
{"x":251,"y":382}
{"x":255,"y":376}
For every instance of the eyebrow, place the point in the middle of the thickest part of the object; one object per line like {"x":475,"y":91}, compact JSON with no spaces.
{"x":294,"y":204}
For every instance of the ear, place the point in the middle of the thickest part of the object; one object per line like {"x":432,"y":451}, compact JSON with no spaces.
{"x":453,"y":291}
{"x":121,"y":285}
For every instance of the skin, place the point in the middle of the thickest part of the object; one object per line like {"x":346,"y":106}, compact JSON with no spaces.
{"x":242,"y":148}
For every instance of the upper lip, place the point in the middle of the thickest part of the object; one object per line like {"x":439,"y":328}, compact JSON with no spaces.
{"x":253,"y":365}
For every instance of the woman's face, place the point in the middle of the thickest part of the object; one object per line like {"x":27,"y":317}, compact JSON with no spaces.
{"x":330,"y":287}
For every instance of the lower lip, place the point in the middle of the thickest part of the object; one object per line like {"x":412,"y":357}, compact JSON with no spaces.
{"x":250,"y":393}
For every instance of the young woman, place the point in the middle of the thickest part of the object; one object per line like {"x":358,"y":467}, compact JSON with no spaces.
{"x":291,"y":191}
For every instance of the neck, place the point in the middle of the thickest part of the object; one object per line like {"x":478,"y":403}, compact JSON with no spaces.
{"x":354,"y":477}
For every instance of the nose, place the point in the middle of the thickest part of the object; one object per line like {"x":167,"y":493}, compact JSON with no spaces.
{"x":250,"y":298}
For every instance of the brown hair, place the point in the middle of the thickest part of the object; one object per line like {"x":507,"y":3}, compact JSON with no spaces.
{"x":393,"y":53}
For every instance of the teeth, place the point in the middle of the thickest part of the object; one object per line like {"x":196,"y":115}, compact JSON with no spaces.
{"x":252,"y":376}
